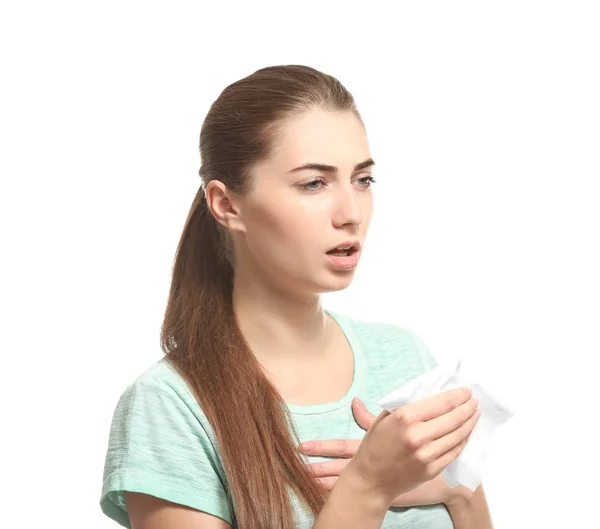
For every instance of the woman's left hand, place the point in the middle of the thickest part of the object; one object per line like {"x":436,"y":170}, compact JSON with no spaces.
{"x":327,"y":473}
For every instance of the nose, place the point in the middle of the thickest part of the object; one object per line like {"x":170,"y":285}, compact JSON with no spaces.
{"x":347,"y":207}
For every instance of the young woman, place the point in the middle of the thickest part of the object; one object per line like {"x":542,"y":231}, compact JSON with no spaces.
{"x":209,"y":436}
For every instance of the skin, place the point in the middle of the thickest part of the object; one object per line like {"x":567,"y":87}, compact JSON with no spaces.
{"x":281,"y":234}
{"x":281,"y":262}
{"x":428,"y":493}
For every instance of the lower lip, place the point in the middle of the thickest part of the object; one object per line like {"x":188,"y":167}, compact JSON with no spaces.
{"x":344,"y":262}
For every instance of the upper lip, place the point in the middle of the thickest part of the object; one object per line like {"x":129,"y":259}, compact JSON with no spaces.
{"x":347,"y":244}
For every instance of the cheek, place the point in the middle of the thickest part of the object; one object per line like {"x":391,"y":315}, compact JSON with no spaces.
{"x":282,"y":228}
{"x":286,"y":235}
{"x":276,"y":237}
{"x":271,"y":228}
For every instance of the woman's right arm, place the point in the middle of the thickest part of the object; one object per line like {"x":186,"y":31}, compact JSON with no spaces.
{"x":149,"y":512}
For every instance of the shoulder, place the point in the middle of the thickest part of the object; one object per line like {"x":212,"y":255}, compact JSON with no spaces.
{"x":161,"y":372}
{"x":380,"y":333}
{"x":386,"y":341}
{"x":158,"y":402}
{"x":161,"y":378}
{"x":161,"y":444}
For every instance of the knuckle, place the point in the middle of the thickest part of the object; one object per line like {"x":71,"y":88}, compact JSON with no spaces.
{"x":413,"y":438}
{"x":449,"y":401}
{"x":409,"y":442}
{"x":454,"y":399}
{"x":340,"y":447}
{"x":460,"y":445}
{"x":408,"y":417}
{"x":422,"y":458}
{"x":466,"y":415}
{"x":429,"y":471}
{"x":467,"y":493}
{"x":314,"y":469}
{"x":455,"y":440}
{"x":471,"y":419}
{"x":327,"y":482}
{"x":472,"y":422}
{"x":461,"y":434}
{"x":465,"y":394}
{"x":401,"y":416}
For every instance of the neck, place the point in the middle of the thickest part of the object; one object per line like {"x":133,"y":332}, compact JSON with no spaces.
{"x":280,"y":328}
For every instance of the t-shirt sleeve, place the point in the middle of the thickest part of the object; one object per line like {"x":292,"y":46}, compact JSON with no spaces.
{"x":158,"y":446}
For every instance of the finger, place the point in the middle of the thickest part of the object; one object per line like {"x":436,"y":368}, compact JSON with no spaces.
{"x":362,"y":415}
{"x":449,"y":422}
{"x":453,"y":443}
{"x":328,"y":468}
{"x":447,"y":457}
{"x":333,"y":447}
{"x":380,"y":417}
{"x":435,"y":405}
{"x":327,"y":483}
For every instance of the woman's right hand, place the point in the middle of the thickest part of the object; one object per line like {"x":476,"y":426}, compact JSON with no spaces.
{"x":412,"y":445}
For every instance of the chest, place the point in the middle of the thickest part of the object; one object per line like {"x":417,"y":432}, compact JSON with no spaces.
{"x":319,"y":383}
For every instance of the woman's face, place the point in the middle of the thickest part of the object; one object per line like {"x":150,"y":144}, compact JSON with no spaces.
{"x":286,"y":230}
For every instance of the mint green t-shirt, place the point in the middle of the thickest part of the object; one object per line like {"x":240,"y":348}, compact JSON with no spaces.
{"x":162,"y":444}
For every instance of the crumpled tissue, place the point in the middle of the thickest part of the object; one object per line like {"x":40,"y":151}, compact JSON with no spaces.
{"x":468,"y":467}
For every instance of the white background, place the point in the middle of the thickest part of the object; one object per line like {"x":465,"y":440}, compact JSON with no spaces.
{"x":484,"y":121}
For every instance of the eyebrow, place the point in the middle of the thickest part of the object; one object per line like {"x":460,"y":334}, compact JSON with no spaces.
{"x":331,"y":168}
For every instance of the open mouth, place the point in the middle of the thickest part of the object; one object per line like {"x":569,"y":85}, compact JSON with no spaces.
{"x":342,"y":253}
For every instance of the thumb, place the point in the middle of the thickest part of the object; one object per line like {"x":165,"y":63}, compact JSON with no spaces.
{"x":363,"y":416}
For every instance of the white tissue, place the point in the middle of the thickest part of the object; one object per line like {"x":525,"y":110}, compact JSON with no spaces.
{"x":466,"y":469}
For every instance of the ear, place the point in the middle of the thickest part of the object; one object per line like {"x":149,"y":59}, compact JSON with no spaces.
{"x":224,"y":205}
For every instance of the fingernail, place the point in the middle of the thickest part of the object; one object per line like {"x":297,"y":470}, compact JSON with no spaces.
{"x":307,"y":447}
{"x":359,"y":402}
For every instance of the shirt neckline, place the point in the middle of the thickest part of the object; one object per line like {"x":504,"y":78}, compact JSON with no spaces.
{"x":357,"y":381}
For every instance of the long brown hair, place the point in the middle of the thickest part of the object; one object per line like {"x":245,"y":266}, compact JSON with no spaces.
{"x":200,"y":335}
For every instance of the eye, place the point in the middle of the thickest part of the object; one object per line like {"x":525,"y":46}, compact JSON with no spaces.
{"x":369,"y":180}
{"x":308,"y":184}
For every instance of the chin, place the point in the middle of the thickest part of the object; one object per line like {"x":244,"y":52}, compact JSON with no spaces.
{"x":341,"y":280}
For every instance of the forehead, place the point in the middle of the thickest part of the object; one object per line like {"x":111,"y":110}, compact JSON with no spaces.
{"x":321,"y":136}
